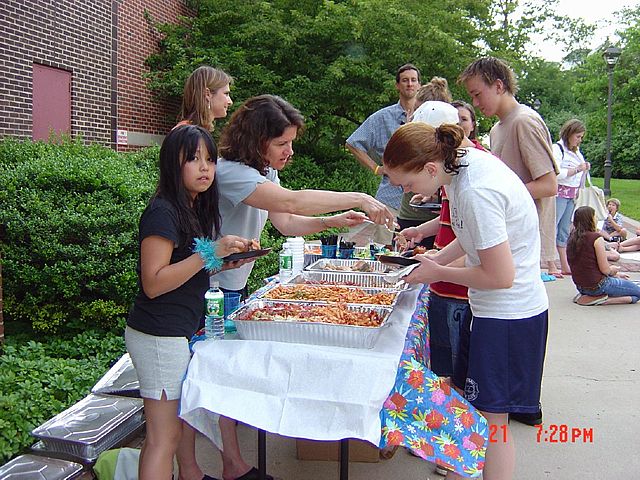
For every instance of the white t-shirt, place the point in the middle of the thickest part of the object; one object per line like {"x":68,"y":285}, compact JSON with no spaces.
{"x":490,"y":205}
{"x":566,"y":161}
{"x":236,"y":181}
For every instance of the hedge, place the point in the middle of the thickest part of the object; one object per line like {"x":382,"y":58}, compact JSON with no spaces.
{"x":69,"y":231}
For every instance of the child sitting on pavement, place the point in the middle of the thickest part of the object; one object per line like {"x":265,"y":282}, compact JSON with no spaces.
{"x":598,"y":282}
{"x":630,"y":245}
{"x":612,"y":229}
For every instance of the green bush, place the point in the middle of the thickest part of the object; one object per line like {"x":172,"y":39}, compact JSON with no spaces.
{"x":69,"y":222}
{"x":38,"y":380}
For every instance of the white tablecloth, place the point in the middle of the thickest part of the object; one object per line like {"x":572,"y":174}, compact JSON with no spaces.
{"x":295,"y":390}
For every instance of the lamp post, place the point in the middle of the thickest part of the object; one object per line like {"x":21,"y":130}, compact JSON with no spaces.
{"x":611,"y":55}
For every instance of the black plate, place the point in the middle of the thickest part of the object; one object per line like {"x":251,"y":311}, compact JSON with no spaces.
{"x":396,"y":260}
{"x":427,"y":205}
{"x":250,"y":254}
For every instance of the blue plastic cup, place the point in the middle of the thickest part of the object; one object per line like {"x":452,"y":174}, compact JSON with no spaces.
{"x":329,"y":251}
{"x":231,"y":304}
{"x":346,"y":252}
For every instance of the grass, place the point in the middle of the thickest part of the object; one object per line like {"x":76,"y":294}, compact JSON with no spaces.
{"x":627,"y":192}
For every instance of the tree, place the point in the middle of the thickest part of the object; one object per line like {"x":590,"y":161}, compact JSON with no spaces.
{"x":591,"y":90}
{"x":335,"y":61}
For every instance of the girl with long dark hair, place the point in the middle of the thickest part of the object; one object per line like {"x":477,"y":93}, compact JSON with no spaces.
{"x":180,"y":246}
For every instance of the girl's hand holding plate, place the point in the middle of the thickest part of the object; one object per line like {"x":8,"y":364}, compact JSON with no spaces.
{"x":427,"y":272}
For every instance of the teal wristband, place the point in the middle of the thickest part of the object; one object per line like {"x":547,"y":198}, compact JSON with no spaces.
{"x":207,"y":250}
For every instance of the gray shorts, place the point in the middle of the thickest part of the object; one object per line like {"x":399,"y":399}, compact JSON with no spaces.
{"x":160,"y":362}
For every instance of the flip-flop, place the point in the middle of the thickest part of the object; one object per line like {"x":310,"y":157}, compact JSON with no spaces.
{"x":253,"y":474}
{"x":556,"y":274}
{"x":547,"y":278}
{"x":568,"y":274}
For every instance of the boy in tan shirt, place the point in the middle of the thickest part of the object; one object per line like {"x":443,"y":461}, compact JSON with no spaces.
{"x":520,"y":139}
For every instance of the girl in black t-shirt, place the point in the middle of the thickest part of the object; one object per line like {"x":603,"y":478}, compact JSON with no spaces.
{"x":176,"y":257}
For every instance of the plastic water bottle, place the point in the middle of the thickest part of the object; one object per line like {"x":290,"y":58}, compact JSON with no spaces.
{"x":214,"y":313}
{"x":286,"y":263}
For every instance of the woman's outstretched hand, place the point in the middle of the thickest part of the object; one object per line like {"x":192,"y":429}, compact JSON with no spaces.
{"x":377,"y":211}
{"x":346,"y":219}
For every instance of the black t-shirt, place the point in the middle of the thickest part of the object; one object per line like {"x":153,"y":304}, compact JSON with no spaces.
{"x":176,"y":313}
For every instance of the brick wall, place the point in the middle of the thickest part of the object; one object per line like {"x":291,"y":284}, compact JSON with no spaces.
{"x":138,"y":111}
{"x":66,"y":34}
{"x":103,"y":43}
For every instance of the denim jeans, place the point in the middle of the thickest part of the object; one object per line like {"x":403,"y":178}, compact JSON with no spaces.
{"x":615,"y":287}
{"x":564,"y":212}
{"x":445,"y":321}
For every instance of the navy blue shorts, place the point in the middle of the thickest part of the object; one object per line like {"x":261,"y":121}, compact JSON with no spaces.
{"x":499,"y":365}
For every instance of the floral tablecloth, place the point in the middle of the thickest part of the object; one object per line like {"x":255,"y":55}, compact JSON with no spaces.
{"x":424,"y":414}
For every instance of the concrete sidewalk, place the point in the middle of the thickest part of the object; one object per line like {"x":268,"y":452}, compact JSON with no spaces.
{"x":591,"y":383}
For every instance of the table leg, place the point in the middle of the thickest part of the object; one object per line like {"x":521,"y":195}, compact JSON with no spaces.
{"x":344,"y":459}
{"x":262,"y":454}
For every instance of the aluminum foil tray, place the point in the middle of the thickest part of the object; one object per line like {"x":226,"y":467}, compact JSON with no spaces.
{"x":325,"y":264}
{"x":121,"y":379}
{"x":311,"y":333}
{"x":263,"y":294}
{"x":35,"y":467}
{"x":344,"y":278}
{"x":91,"y":426}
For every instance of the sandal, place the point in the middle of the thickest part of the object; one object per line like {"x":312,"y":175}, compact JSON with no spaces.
{"x":589,"y":301}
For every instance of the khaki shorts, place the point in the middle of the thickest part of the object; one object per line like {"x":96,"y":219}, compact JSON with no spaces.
{"x":160,"y":362}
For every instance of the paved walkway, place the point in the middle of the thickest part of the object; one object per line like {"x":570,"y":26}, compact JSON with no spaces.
{"x":591,"y":385}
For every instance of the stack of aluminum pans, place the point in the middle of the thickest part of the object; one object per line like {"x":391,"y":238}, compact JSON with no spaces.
{"x":313,"y":333}
{"x":35,"y":467}
{"x":121,"y":379}
{"x":94,"y":424}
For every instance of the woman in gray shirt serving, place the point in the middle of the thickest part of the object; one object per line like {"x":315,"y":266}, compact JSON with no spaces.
{"x":255,"y":145}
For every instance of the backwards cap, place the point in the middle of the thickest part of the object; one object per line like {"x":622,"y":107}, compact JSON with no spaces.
{"x":436,"y":113}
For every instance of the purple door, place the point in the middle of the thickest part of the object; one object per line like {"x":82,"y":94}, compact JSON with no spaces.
{"x":51,"y":101}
